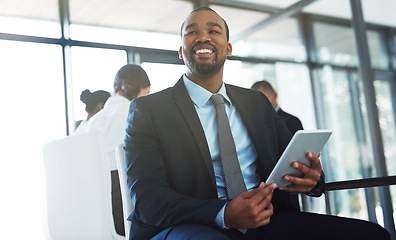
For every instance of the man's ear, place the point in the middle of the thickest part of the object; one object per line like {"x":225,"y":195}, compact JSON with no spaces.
{"x":229,"y":49}
{"x":180,"y":53}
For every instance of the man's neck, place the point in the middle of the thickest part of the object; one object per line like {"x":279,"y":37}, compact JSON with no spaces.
{"x":210,"y":83}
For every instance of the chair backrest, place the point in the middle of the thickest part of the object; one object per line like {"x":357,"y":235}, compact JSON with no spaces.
{"x":78,"y":189}
{"x":127,"y":203}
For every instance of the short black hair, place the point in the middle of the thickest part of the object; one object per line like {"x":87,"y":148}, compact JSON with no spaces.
{"x":207,"y":9}
{"x":91,"y":100}
{"x":263,"y":84}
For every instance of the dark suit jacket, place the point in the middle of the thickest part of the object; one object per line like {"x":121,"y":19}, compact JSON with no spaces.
{"x":169,"y":168}
{"x":292,"y":122}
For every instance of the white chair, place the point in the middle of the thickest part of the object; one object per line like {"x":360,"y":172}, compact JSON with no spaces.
{"x":127,"y":204}
{"x":78,"y":189}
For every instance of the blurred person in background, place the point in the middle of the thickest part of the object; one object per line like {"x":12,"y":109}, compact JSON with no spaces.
{"x":94,"y":102}
{"x":292,"y":122}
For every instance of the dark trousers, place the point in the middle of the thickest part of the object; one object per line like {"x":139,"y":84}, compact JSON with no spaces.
{"x":287,"y":225}
{"x":116,"y":202}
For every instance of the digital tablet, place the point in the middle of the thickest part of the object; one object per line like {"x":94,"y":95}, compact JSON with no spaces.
{"x":302,"y":142}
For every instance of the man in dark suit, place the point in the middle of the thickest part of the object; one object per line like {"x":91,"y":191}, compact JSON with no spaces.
{"x":292,"y":122}
{"x":174,"y":171}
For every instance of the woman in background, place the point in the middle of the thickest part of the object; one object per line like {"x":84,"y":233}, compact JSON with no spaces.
{"x":94,"y":102}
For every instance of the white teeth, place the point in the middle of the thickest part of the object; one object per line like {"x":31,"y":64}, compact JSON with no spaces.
{"x":204,"y":51}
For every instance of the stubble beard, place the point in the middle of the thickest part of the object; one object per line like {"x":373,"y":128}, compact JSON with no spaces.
{"x":205,"y":70}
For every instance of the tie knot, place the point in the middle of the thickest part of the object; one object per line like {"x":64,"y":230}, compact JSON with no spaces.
{"x":217,"y":99}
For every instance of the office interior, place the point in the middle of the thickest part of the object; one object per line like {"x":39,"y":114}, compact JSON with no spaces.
{"x":332,"y":62}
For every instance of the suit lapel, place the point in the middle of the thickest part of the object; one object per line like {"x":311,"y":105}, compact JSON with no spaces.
{"x":256,"y":131}
{"x":187,"y":110}
{"x":243,"y":106}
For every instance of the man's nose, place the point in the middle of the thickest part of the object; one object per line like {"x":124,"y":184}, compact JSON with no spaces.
{"x":203,"y":37}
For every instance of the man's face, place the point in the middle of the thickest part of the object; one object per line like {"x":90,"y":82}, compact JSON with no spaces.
{"x":204,"y":43}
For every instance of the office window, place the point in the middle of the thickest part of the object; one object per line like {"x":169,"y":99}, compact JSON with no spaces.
{"x":93,"y":69}
{"x":387,"y":123}
{"x":336,"y":45}
{"x":30,"y":17}
{"x":244,"y":74}
{"x":343,"y":111}
{"x":393,"y":193}
{"x":279,"y":40}
{"x":378,"y":55}
{"x":388,"y":130}
{"x":32,"y":114}
{"x":152,"y":24}
{"x":349,"y":153}
{"x":351,"y":203}
{"x":394,"y":52}
{"x":163,"y":75}
{"x":295,"y":92}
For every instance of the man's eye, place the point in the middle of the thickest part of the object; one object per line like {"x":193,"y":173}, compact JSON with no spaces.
{"x":214,"y":31}
{"x":192,"y":32}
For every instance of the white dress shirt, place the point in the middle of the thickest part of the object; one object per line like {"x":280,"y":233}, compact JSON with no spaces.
{"x":112,"y":122}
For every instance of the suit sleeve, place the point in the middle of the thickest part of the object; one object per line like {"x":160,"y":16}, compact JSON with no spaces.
{"x":157,"y":204}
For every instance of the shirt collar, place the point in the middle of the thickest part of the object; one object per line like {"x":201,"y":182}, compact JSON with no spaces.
{"x":200,"y":95}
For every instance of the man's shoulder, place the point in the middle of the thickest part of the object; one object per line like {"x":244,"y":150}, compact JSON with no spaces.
{"x":281,"y":112}
{"x":246,"y":92}
{"x":157,"y":96}
{"x":292,"y":122}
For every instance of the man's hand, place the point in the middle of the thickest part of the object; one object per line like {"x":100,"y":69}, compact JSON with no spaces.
{"x":311,"y":176}
{"x":250,"y":209}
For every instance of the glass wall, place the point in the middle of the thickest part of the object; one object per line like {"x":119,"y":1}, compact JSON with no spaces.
{"x":349,"y":154}
{"x":387,"y":123}
{"x":386,"y":114}
{"x":280,"y":40}
{"x":336,"y":45}
{"x":378,"y":56}
{"x":159,"y":81}
{"x":244,"y":74}
{"x":32,"y":114}
{"x":394,"y":52}
{"x":343,"y":114}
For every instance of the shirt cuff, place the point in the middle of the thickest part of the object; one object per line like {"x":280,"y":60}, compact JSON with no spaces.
{"x":220,"y":218}
{"x":319,"y":189}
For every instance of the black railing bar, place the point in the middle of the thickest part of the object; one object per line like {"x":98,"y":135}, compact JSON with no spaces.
{"x":361,"y":183}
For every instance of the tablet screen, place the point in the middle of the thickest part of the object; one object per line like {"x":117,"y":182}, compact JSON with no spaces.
{"x":302,"y":142}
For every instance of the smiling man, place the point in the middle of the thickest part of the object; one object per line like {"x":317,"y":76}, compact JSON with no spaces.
{"x":205,"y":47}
{"x":177,"y":165}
